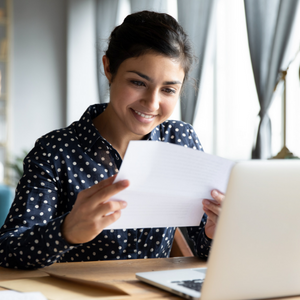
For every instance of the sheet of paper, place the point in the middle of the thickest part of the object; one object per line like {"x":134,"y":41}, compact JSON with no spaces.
{"x":57,"y":289}
{"x":13,"y":295}
{"x":167,"y":184}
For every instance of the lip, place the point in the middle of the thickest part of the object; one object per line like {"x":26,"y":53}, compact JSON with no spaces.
{"x":143,"y":117}
{"x":146,"y":116}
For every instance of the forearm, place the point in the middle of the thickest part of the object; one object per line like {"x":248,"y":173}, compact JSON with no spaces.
{"x":34,"y":247}
{"x":201,"y":242}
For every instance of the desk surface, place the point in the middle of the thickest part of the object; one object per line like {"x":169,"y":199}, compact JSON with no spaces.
{"x":120,"y":273}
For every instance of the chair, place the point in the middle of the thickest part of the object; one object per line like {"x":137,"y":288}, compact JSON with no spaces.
{"x":180,"y":246}
{"x":6,"y":198}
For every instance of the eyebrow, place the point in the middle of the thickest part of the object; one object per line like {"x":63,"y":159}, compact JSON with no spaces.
{"x":151,"y":80}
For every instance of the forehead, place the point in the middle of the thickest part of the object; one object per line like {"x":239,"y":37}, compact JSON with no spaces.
{"x":153,"y":65}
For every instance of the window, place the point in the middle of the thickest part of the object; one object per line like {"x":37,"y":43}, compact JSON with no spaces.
{"x":227,"y":118}
{"x":228,"y":107}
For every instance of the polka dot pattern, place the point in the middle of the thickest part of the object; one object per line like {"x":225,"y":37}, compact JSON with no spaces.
{"x":63,"y":163}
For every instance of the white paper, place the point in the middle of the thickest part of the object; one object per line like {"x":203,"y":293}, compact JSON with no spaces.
{"x":167,"y":184}
{"x":13,"y":295}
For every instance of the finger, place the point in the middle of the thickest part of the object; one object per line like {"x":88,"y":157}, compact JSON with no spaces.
{"x":106,"y":193}
{"x":217,"y":196}
{"x":110,"y":207}
{"x":95,"y":188}
{"x":211,"y":215}
{"x":212,"y":206}
{"x":107,"y":220}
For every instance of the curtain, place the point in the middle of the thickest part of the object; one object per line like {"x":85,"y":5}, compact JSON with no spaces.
{"x":82,"y":87}
{"x":197,"y":18}
{"x":106,"y":17}
{"x":269,"y":23}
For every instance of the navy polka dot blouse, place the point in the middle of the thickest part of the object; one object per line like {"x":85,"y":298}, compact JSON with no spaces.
{"x":63,"y":163}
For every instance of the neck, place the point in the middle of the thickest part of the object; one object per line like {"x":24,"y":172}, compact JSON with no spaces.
{"x":107,"y":125}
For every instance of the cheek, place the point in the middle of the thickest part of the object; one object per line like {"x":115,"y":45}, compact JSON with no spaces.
{"x":122,"y":96}
{"x":169,"y":106}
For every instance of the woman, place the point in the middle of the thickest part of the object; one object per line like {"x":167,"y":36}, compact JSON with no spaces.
{"x":60,"y":210}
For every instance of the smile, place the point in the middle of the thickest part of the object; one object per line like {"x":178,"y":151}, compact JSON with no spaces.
{"x":143,"y":115}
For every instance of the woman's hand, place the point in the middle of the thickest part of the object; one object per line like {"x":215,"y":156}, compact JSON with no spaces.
{"x":212,"y":208}
{"x":91,"y":213}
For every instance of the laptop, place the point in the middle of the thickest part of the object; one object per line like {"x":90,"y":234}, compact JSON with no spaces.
{"x":256,"y":249}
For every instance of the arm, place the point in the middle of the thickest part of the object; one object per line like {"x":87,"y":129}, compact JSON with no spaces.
{"x":197,"y":234}
{"x":201,"y":242}
{"x":31,"y":237}
{"x":212,"y":208}
{"x":39,"y":228}
{"x":203,"y":235}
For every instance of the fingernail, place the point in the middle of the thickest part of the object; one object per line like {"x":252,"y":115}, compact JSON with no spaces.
{"x":125,"y":182}
{"x":123,"y":203}
{"x":214,"y":193}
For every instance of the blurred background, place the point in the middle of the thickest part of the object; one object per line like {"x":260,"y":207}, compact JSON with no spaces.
{"x":50,"y":54}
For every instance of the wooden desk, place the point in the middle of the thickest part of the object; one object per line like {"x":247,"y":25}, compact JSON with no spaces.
{"x":120,"y":273}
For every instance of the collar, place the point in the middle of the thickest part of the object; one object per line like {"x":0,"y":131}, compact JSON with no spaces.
{"x":87,"y":132}
{"x":154,"y":135}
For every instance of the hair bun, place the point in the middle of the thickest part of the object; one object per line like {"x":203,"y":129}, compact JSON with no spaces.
{"x":146,"y":31}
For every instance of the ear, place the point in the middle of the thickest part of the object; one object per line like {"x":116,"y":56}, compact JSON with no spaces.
{"x":107,"y":73}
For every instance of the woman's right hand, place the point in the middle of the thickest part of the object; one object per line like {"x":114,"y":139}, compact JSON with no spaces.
{"x":91,"y":213}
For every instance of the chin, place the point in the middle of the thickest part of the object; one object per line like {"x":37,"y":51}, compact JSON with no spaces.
{"x":142,"y":133}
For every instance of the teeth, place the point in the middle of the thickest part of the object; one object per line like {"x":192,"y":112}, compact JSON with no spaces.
{"x":142,"y":115}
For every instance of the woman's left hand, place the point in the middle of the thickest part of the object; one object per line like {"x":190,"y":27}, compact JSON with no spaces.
{"x":212,"y":208}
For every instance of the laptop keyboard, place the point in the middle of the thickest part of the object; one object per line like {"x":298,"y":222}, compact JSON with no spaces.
{"x":195,"y":284}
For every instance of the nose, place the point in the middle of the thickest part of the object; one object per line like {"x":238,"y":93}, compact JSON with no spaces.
{"x":151,"y":100}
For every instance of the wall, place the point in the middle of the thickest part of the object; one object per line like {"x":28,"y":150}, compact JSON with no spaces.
{"x":38,"y":72}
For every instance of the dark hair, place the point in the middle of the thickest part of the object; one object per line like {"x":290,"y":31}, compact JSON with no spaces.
{"x":147,"y":31}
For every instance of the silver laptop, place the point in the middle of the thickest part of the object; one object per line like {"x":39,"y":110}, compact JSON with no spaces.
{"x":256,"y":249}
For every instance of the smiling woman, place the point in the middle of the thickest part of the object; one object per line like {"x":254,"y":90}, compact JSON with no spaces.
{"x":143,"y":94}
{"x":61,"y":207}
{"x":146,"y":64}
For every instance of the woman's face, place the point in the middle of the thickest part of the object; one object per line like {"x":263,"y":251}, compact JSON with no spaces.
{"x":144,"y":92}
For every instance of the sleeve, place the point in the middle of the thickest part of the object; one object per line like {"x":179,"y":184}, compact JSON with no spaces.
{"x":31,"y":237}
{"x":201,"y":242}
{"x":197,"y":234}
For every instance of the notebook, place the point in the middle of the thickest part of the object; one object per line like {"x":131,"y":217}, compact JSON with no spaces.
{"x":256,"y":249}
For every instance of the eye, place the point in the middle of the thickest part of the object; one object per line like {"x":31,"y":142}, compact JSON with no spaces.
{"x":169,"y":91}
{"x":137,"y":83}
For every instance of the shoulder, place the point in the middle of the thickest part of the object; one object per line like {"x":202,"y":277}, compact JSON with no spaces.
{"x":51,"y":152}
{"x":75,"y":134}
{"x":55,"y":145}
{"x":179,"y":132}
{"x":62,"y":137}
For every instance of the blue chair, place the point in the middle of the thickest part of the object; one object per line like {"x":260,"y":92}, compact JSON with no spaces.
{"x":6,"y":198}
